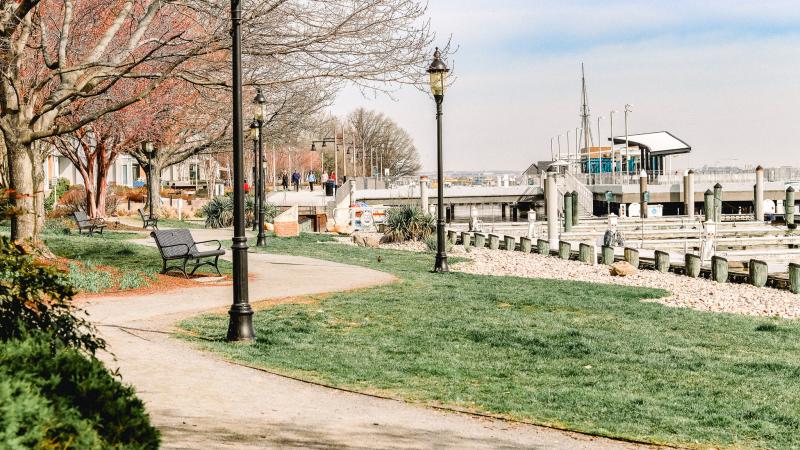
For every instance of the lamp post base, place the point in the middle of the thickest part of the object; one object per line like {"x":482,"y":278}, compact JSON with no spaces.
{"x":240,"y":326}
{"x":441,"y":264}
{"x":262,"y":240}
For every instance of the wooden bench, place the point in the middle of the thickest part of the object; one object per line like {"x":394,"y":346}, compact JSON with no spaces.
{"x":179,"y":245}
{"x":148,"y":221}
{"x":85,"y":223}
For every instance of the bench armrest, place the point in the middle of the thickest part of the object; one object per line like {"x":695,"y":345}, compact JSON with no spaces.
{"x":219,"y":244}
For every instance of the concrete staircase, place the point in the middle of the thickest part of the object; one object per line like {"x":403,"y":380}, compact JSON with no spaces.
{"x":569,"y":183}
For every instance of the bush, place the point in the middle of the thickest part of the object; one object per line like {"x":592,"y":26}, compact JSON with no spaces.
{"x":37,"y":298}
{"x":219,"y":211}
{"x":430,"y":241}
{"x":407,"y":223}
{"x":88,"y":278}
{"x":61,"y":187}
{"x":73,"y":200}
{"x":60,"y":398}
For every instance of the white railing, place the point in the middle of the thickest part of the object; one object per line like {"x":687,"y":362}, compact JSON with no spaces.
{"x":605,"y":178}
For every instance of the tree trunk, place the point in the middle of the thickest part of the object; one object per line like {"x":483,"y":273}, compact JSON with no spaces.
{"x":38,"y":184}
{"x":23,"y":222}
{"x":153,"y":187}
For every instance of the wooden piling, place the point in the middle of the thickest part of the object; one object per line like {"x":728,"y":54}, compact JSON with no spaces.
{"x":758,"y":273}
{"x":693,"y":265}
{"x":576,"y":212}
{"x":480,"y":240}
{"x":586,"y":254}
{"x":788,"y":206}
{"x":510,"y":243}
{"x":465,"y":238}
{"x":452,"y":236}
{"x":708,"y":205}
{"x":568,"y":212}
{"x":719,"y":269}
{"x":564,"y":249}
{"x":543,"y":247}
{"x":608,"y":255}
{"x":717,"y":203}
{"x":494,"y":241}
{"x":525,"y":245}
{"x":632,"y":256}
{"x":662,"y":261}
{"x":794,"y":278}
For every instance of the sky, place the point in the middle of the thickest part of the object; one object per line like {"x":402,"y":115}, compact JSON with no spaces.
{"x":724,"y":76}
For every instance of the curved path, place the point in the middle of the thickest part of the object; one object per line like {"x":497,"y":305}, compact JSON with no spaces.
{"x":200,"y":401}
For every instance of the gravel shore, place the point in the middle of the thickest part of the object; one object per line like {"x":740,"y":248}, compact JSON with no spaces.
{"x":695,"y":293}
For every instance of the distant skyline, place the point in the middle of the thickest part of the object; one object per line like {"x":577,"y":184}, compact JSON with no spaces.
{"x":722,"y":76}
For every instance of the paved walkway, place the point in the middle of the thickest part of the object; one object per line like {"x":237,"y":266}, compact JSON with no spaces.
{"x":200,"y":401}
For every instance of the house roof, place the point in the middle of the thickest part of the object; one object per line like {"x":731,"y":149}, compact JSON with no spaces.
{"x":659,"y":143}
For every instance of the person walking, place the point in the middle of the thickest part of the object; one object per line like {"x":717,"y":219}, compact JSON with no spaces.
{"x":311,"y":180}
{"x":296,"y":181}
{"x":285,"y":181}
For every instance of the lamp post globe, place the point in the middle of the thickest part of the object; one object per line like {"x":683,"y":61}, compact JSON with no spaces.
{"x":437,"y":72}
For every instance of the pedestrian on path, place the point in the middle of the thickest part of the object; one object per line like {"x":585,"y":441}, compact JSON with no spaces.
{"x":285,"y":181}
{"x":311,"y":180}
{"x":296,"y":181}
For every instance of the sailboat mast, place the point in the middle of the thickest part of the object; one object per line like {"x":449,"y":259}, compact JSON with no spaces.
{"x":587,"y":129}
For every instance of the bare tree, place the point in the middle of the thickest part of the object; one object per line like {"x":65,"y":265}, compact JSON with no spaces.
{"x":385,"y":144}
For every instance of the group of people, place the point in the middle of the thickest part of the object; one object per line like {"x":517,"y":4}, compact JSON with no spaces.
{"x":311,"y":179}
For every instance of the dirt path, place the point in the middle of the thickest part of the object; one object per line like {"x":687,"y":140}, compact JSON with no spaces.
{"x":199,"y":401}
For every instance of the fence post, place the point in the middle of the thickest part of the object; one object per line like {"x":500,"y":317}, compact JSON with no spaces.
{"x":758,"y":273}
{"x":719,"y":269}
{"x":494,"y":241}
{"x":510,"y":243}
{"x":608,"y":255}
{"x":564,"y":249}
{"x":632,"y":256}
{"x":794,"y":278}
{"x":568,"y":212}
{"x":693,"y":265}
{"x":465,"y":238}
{"x":480,"y":240}
{"x":662,"y":261}
{"x":543,"y":247}
{"x":525,"y":244}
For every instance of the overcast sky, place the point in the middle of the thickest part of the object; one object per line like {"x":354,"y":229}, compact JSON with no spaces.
{"x":724,"y":76}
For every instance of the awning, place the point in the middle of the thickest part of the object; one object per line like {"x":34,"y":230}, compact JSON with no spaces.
{"x":660,"y":143}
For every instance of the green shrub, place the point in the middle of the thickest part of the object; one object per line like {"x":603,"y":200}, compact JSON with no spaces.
{"x":132,"y":280}
{"x":61,"y":398}
{"x":219,"y":211}
{"x":407,"y":223}
{"x":88,"y":279}
{"x":61,"y":187}
{"x":430,"y":241}
{"x":37,"y":298}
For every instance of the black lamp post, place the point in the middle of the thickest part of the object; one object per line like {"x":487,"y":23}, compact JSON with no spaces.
{"x":255,"y":136}
{"x":148,"y":148}
{"x":261,"y":115}
{"x":438,"y":81}
{"x":324,"y":142}
{"x":240,"y":326}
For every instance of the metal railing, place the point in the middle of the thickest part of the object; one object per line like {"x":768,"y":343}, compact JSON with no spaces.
{"x":607,"y":178}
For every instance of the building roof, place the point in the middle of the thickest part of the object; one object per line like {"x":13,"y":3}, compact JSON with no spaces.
{"x":659,"y":143}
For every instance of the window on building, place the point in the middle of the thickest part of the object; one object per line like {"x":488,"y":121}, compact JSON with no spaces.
{"x":125,"y":174}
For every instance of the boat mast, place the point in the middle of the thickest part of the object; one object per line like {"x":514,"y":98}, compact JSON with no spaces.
{"x":587,"y":129}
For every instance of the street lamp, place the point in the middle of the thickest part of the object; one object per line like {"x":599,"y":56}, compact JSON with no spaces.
{"x":260,"y":103}
{"x":254,"y":136}
{"x":438,"y":81}
{"x":599,"y":144}
{"x":613,"y":151}
{"x":240,"y":325}
{"x":628,"y":109}
{"x":148,"y":149}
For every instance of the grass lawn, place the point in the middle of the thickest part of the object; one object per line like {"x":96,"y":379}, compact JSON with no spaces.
{"x":581,"y":356}
{"x":137,"y":264}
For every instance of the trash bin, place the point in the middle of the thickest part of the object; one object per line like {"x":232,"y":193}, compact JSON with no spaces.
{"x":330,"y":185}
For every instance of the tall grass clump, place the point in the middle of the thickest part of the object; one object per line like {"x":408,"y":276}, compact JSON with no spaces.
{"x":408,"y":223}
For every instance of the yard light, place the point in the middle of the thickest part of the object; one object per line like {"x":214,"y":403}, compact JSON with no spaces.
{"x":260,"y":103}
{"x":240,"y":325}
{"x":438,"y":81}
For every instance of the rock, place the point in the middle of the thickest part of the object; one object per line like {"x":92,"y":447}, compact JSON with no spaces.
{"x":343,"y":230}
{"x":622,"y":269}
{"x":370,"y":240}
{"x":269,"y":227}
